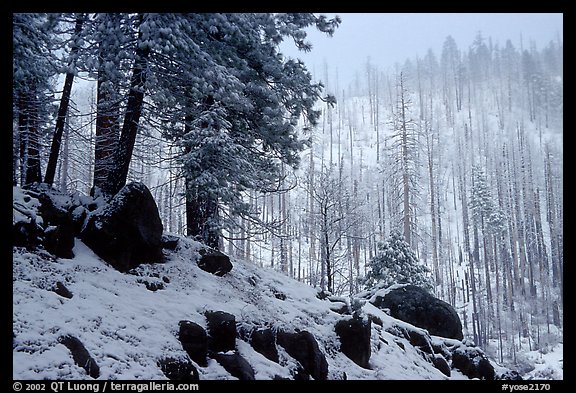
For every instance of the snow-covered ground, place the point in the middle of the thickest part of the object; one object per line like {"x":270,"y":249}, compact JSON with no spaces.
{"x":128,"y":328}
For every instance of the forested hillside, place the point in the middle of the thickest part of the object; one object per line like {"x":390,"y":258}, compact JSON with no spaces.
{"x":460,"y":152}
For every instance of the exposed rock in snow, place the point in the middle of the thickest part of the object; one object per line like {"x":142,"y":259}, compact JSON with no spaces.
{"x":264,"y":342}
{"x":221,"y":331}
{"x":215,"y":262}
{"x":236,"y":365}
{"x":127,"y":231}
{"x":415,"y":305}
{"x":178,"y":369}
{"x":194,"y":341}
{"x":303,"y":347}
{"x":80,"y":355}
{"x":355,"y":334}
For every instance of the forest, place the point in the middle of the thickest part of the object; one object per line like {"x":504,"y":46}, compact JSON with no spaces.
{"x":460,"y":153}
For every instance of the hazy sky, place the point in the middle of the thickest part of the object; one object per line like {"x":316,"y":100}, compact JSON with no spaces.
{"x":389,"y":38}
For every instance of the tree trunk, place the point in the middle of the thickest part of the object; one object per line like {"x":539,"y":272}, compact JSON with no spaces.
{"x":63,"y":109}
{"x":123,"y":155}
{"x":200,"y":210}
{"x":201,"y":206}
{"x":30,"y":170}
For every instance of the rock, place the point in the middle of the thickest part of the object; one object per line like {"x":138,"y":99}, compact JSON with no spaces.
{"x":127,"y":231}
{"x":510,"y":375}
{"x":354,"y":334}
{"x":300,"y":375}
{"x":279,"y":296}
{"x":221,"y":330}
{"x":236,"y":365}
{"x":59,"y":239}
{"x":441,"y":349}
{"x":152,"y":285}
{"x":264,"y":342}
{"x":55,"y":209}
{"x":78,"y":215}
{"x":441,"y":364}
{"x":169,"y":242}
{"x":420,"y":340}
{"x":54,"y":206}
{"x":61,"y":290}
{"x":178,"y":369}
{"x":414,"y":305}
{"x":340,"y":308}
{"x":473,"y":363}
{"x":80,"y":355}
{"x":303,"y":347}
{"x":322,"y":295}
{"x":27,"y":234}
{"x":215,"y":262}
{"x":194,"y":341}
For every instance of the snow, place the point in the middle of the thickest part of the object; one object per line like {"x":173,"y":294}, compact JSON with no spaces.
{"x":548,"y":364}
{"x":127,"y":328}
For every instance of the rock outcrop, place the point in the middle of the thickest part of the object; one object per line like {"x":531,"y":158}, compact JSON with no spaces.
{"x":221,"y":331}
{"x":127,"y":231}
{"x":416,"y":306}
{"x":354,"y":334}
{"x":178,"y":369}
{"x":264,"y":342}
{"x":303,"y":347}
{"x":215,"y":262}
{"x":81,"y":355}
{"x":194,"y":340}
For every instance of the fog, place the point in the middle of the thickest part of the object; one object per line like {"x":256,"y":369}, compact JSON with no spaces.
{"x":390,"y":38}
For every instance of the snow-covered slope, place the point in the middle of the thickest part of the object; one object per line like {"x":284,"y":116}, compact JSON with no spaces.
{"x":128,"y":328}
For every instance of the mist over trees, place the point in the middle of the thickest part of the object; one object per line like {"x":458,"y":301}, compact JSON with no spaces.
{"x":460,"y":152}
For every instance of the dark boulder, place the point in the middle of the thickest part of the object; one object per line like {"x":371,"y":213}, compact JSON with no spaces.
{"x":59,"y":239}
{"x":127,"y":231}
{"x":420,"y":340}
{"x":299,"y":374}
{"x":441,"y":364}
{"x":416,"y":306}
{"x":60,"y":289}
{"x":303,"y":347}
{"x":169,"y":242}
{"x":178,"y":369}
{"x":221,"y":330}
{"x":264,"y":342}
{"x":354,"y":334}
{"x":27,"y":234}
{"x":55,"y":209}
{"x":80,"y":355}
{"x":215,"y":262}
{"x":473,"y":363}
{"x":236,"y":365}
{"x":194,"y":341}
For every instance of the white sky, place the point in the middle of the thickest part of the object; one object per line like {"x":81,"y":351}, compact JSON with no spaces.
{"x":390,"y":38}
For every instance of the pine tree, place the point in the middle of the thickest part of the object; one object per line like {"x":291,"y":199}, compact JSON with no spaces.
{"x":241,"y":102}
{"x":33,"y":66}
{"x":397,"y":263}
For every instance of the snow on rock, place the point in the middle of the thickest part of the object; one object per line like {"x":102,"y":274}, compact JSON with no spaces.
{"x":133,"y":333}
{"x":415,"y":305}
{"x":128,"y":230}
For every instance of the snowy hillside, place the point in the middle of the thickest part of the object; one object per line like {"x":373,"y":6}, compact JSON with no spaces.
{"x":128,"y":328}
